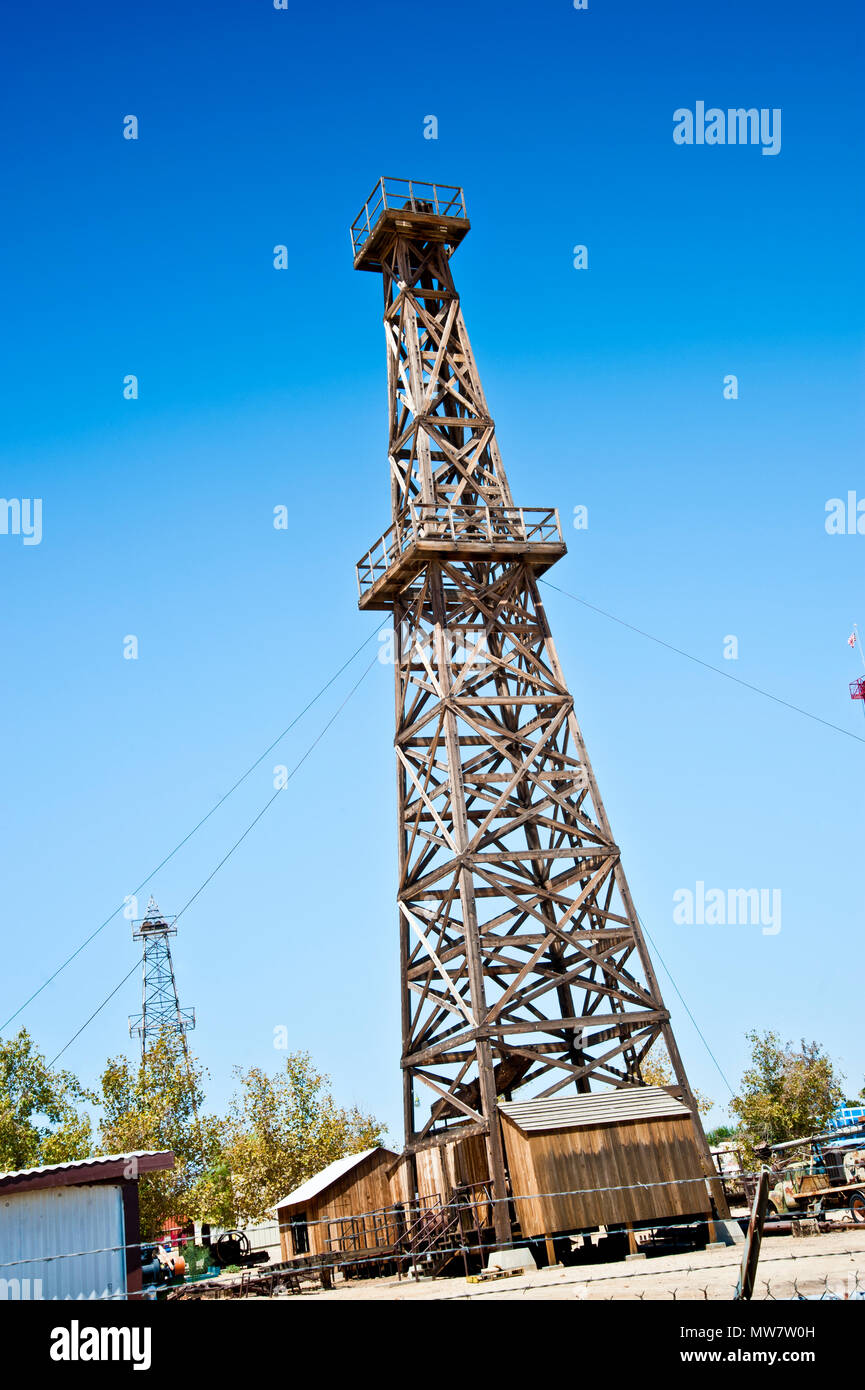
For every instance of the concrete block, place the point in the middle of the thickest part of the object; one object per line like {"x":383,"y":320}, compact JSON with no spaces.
{"x":729,"y":1232}
{"x":512,"y":1259}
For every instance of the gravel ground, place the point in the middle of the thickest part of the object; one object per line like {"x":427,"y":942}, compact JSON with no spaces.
{"x":788,"y":1265}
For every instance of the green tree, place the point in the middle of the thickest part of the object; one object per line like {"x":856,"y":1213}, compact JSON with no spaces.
{"x":718,"y":1136}
{"x":158,"y":1105}
{"x":41,"y":1115}
{"x":281,"y":1130}
{"x":657,"y":1070}
{"x":786,"y":1092}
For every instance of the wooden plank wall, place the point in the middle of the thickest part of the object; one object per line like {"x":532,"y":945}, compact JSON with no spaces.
{"x":435,"y":1172}
{"x":401,"y":1184}
{"x":364,"y":1189}
{"x":611,"y":1156}
{"x":442,"y":1167}
{"x":471,"y":1161}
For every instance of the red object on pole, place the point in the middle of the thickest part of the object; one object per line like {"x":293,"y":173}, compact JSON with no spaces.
{"x":857,"y":689}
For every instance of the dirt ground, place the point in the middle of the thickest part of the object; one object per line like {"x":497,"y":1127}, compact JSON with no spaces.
{"x":810,"y":1265}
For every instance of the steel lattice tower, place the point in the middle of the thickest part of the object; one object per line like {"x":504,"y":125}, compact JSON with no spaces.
{"x":160,"y":1006}
{"x":523,"y":963}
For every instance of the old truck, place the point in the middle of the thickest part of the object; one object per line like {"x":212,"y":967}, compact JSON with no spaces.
{"x":829,"y":1175}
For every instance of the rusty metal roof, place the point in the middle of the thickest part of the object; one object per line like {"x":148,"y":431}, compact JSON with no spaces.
{"x":588,"y":1112}
{"x":101,"y":1168}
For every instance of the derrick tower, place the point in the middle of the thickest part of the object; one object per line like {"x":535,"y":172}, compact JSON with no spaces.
{"x":523,"y":963}
{"x":160,"y":1006}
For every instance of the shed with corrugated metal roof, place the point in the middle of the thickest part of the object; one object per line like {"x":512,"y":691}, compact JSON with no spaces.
{"x":607,"y":1159}
{"x":71,"y":1230}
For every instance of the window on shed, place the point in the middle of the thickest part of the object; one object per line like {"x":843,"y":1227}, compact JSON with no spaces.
{"x":299,"y":1233}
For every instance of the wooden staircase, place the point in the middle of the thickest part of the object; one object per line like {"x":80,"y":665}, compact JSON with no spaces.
{"x":441,"y":1232}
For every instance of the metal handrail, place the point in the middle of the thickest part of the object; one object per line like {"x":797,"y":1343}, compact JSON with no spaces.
{"x":347,"y":1233}
{"x":430,"y":521}
{"x":448,"y":200}
{"x":438,"y":1221}
{"x":434,"y":1220}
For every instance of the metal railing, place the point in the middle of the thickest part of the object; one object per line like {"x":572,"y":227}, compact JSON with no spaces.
{"x":373,"y":1230}
{"x":467,"y":525}
{"x":440,"y":1229}
{"x":440,"y":199}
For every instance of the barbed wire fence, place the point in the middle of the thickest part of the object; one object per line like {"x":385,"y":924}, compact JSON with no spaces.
{"x":19,"y":1278}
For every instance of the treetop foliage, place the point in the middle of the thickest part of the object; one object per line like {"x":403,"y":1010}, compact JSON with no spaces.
{"x":41,"y":1116}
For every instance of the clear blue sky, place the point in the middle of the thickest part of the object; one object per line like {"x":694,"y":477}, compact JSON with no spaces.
{"x":260,"y":387}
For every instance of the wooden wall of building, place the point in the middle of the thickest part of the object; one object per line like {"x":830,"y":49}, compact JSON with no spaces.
{"x":434,"y":1172}
{"x":462,"y":1162}
{"x":401,"y":1183}
{"x":614,"y":1156}
{"x":362,"y":1197}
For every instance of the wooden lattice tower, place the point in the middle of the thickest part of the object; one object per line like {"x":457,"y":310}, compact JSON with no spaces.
{"x":523,"y":961}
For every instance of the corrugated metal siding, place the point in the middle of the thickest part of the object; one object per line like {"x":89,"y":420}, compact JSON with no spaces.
{"x":612,"y":1107}
{"x":63,"y":1221}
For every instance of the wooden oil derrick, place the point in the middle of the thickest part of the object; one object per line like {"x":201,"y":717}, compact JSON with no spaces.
{"x":523,"y":961}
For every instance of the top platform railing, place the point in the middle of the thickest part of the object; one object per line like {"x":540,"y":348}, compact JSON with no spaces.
{"x":458,"y":530}
{"x":435,"y":199}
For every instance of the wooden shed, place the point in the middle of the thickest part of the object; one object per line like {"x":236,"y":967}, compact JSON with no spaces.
{"x":635,"y":1147}
{"x":352,"y":1206}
